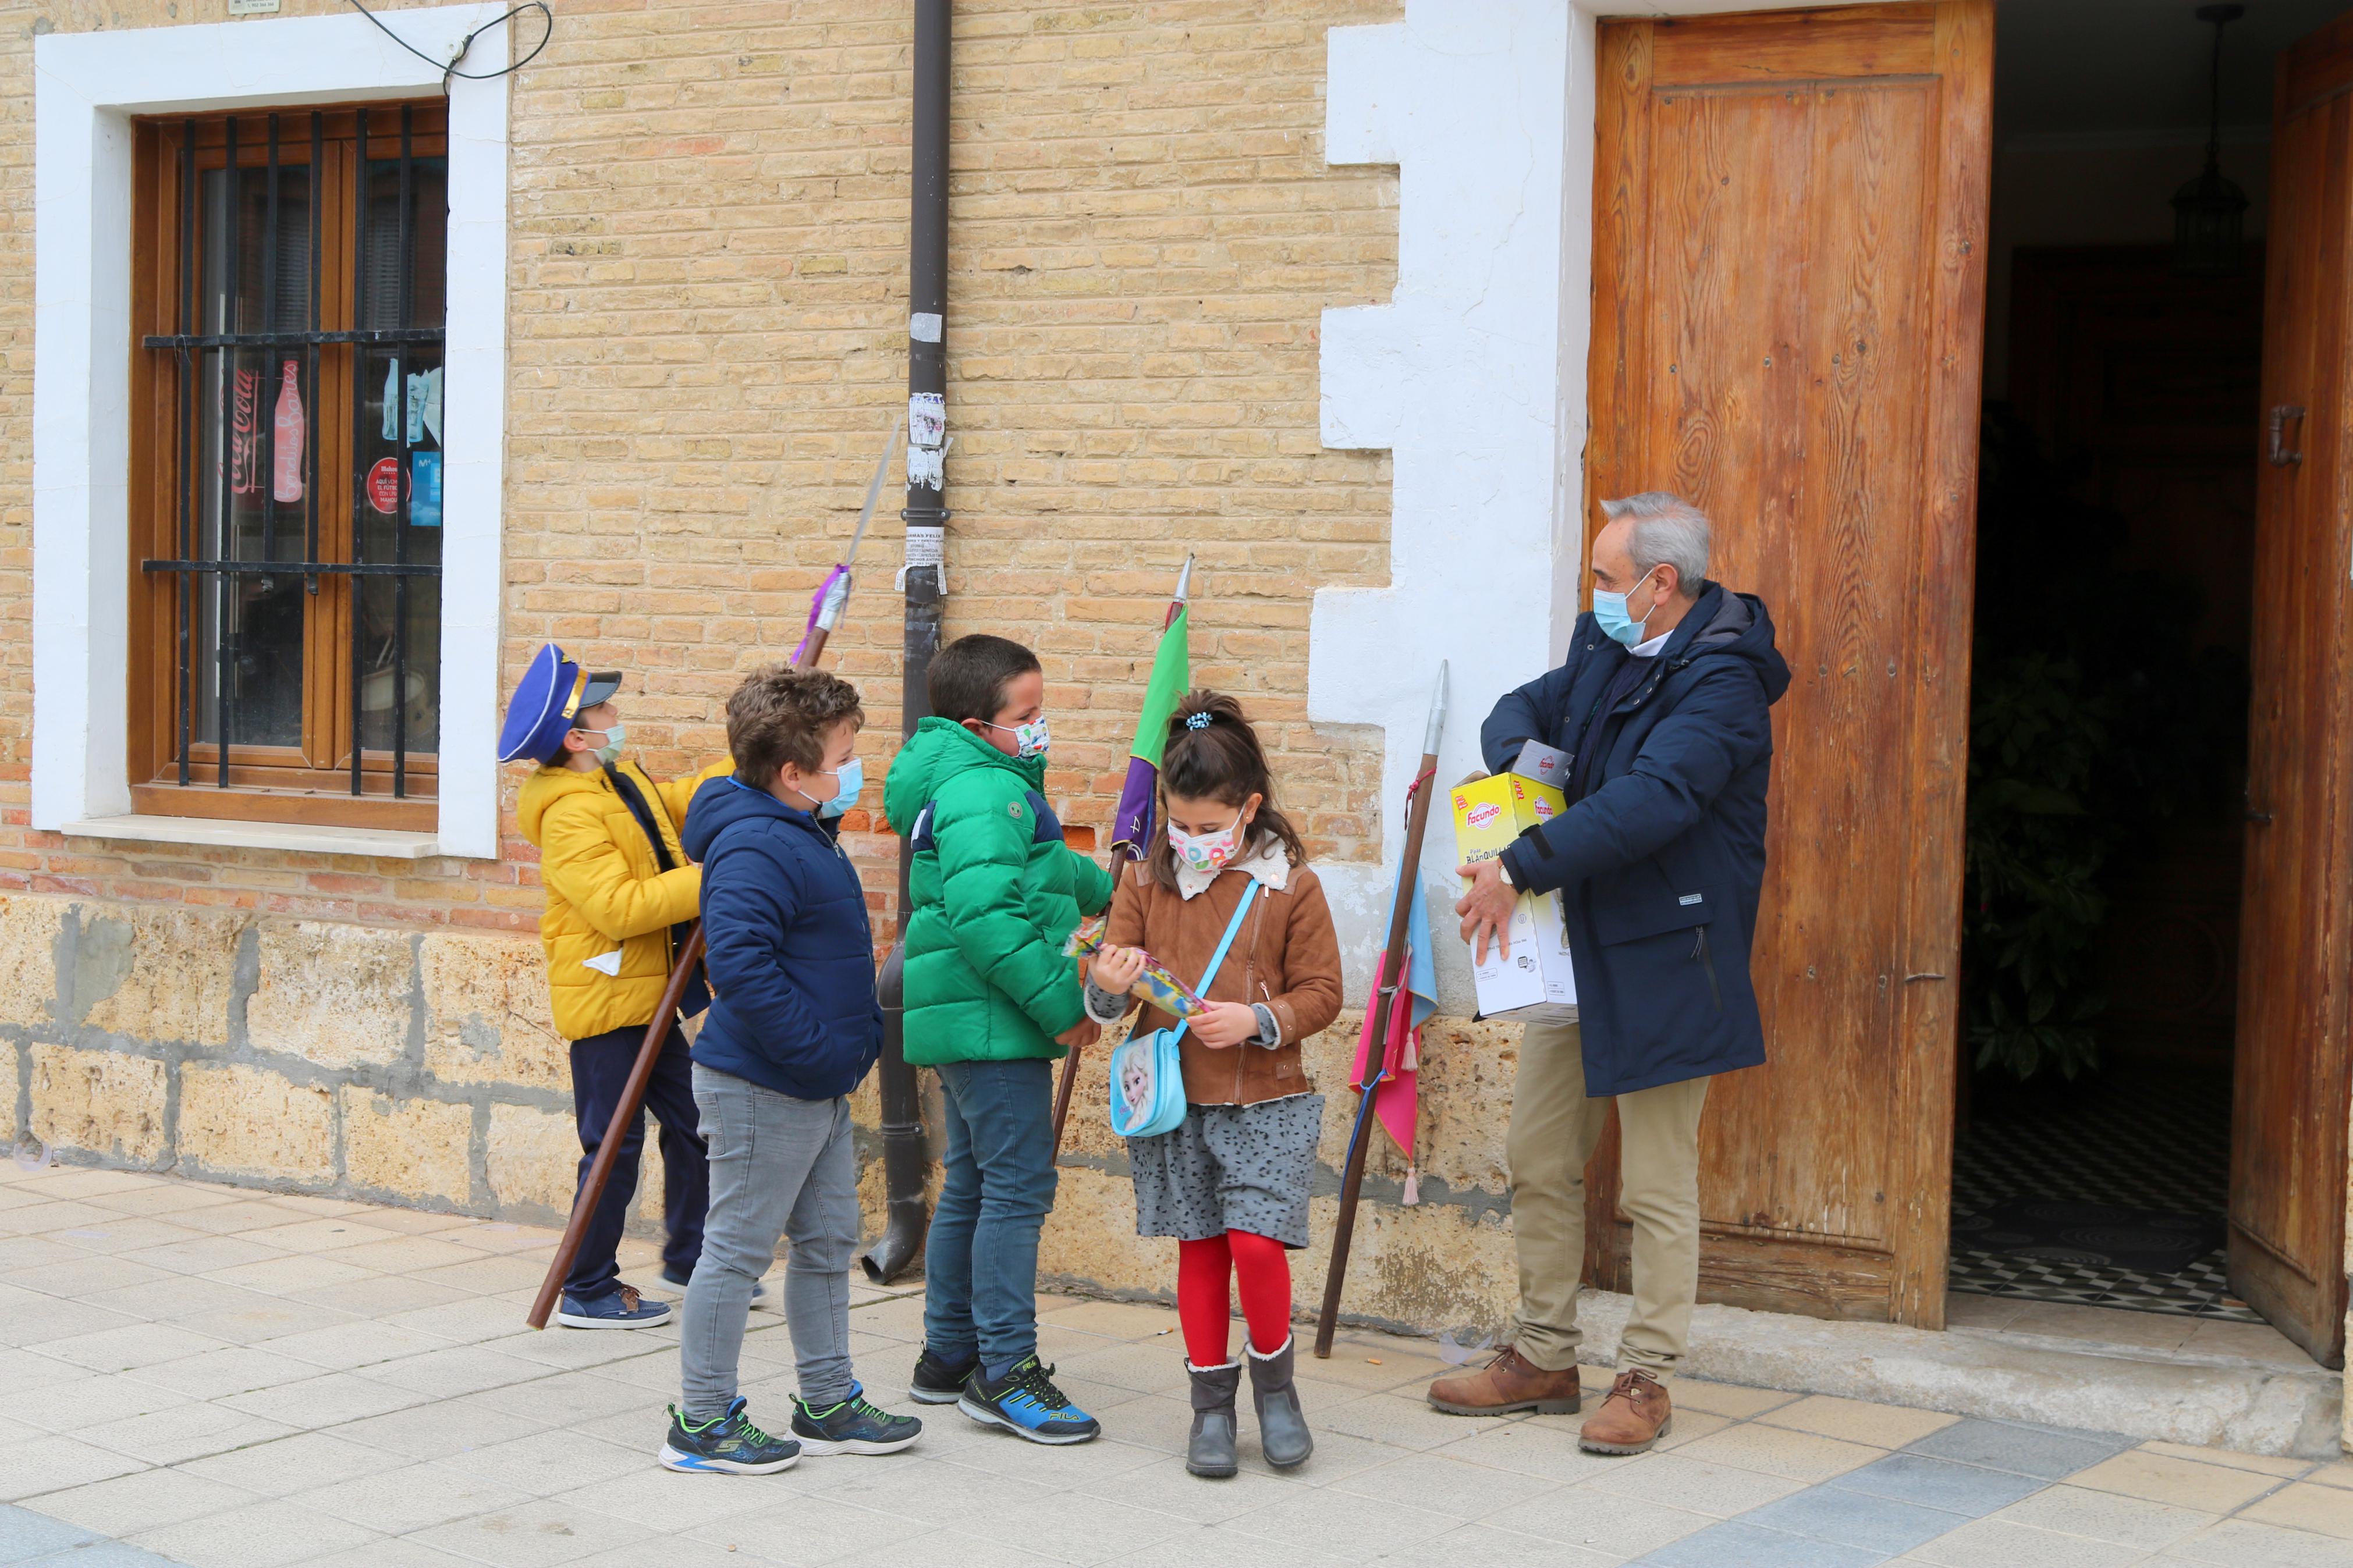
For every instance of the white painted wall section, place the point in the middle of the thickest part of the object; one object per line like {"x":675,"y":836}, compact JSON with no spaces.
{"x":87,"y":86}
{"x":1466,"y":377}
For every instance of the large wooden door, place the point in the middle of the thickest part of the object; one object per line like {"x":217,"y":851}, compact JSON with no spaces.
{"x":2288,"y":1104}
{"x":1789,"y":222}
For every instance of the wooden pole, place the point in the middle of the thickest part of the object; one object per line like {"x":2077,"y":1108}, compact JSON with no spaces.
{"x":1393,"y":995}
{"x":624,"y":1115}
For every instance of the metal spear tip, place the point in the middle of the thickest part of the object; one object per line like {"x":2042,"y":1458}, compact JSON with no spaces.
{"x":1185,"y":580}
{"x":1436,"y":712}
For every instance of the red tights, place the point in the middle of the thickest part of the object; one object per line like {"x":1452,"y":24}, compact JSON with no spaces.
{"x":1208,"y":1274}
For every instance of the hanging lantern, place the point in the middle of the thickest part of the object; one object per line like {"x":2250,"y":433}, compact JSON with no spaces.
{"x":2210,"y":213}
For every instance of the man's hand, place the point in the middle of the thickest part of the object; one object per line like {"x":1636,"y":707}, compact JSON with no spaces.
{"x":1224,"y":1024}
{"x":1083,"y":1033}
{"x":1486,"y":907}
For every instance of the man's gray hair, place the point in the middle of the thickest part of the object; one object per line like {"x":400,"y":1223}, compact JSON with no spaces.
{"x":1667,"y":529}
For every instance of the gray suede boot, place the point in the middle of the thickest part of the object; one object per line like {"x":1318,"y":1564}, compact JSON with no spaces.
{"x":1210,"y":1450}
{"x":1283,"y":1434}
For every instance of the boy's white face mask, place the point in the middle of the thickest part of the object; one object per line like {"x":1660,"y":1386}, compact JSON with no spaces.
{"x":610,"y":751}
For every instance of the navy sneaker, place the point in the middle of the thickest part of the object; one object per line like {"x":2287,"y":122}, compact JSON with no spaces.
{"x":852,"y":1426}
{"x":728,"y":1445}
{"x":1026,"y":1403}
{"x":622,"y":1308}
{"x":937,"y":1381}
{"x":680,"y":1281}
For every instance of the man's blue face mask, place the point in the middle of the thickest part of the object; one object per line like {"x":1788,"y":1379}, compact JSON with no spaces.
{"x":1616,"y":621}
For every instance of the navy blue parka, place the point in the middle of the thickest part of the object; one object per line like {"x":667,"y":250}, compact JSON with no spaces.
{"x":1659,"y":865}
{"x":789,"y":951}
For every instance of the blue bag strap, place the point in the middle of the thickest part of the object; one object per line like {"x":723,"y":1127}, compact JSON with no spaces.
{"x":1217,"y":958}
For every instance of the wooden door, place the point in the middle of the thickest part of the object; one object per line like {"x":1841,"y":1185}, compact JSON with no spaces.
{"x":2288,"y":1103}
{"x":1790,"y":221}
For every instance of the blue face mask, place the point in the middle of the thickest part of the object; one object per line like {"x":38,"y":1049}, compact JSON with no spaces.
{"x":1616,"y":622}
{"x":852,"y":778}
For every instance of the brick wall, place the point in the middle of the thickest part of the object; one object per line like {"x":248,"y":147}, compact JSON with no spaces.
{"x":707,"y":336}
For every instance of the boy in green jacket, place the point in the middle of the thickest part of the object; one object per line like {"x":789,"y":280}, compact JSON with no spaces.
{"x":992,"y":1001}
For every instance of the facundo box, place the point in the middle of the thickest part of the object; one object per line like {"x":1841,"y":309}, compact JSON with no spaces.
{"x":1535,"y":982}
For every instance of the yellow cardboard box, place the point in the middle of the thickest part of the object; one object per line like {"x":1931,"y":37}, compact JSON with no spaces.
{"x":1534,"y":980}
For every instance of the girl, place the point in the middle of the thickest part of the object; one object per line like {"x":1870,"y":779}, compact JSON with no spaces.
{"x":1230,"y":1183}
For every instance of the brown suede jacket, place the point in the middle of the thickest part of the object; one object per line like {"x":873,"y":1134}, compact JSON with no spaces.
{"x":1286,"y":958}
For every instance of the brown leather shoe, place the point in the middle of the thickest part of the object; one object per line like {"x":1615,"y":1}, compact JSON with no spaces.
{"x":1510,"y":1381}
{"x":1636,"y":1414}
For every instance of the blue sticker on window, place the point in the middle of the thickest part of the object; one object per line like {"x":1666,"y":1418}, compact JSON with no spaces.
{"x":425,"y":489}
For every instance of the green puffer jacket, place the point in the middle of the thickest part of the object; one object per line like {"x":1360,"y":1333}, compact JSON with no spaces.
{"x":993,"y":893}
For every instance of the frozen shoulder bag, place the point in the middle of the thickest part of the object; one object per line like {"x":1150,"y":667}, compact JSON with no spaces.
{"x":1147,"y":1075}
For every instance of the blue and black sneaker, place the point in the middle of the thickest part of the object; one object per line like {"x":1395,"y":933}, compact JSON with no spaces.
{"x":621,"y":1308}
{"x":938,"y":1382}
{"x":728,"y":1444}
{"x":851,"y":1427}
{"x":1026,"y":1403}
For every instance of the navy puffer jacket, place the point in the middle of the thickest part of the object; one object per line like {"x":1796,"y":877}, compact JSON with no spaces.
{"x":790,"y":953}
{"x":1660,"y":863}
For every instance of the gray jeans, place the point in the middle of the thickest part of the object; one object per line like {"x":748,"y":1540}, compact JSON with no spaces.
{"x":779,"y":1166}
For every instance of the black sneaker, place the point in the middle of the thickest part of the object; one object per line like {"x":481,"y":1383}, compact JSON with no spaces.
{"x":852,"y":1426}
{"x":729,"y":1444}
{"x":937,"y":1381}
{"x":1026,"y":1403}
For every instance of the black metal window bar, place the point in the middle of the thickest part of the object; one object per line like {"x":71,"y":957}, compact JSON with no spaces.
{"x":213,"y":564}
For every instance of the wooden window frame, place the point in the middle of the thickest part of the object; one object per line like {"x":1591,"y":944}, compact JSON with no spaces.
{"x":312,"y":784}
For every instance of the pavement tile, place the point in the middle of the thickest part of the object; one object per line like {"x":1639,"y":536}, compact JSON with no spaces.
{"x":1779,"y":1451}
{"x":264,"y":1535}
{"x":2249,"y":1543}
{"x":2340,"y":1474}
{"x":125,"y":1233}
{"x":546,"y":1464}
{"x":804,"y":1528}
{"x":1401,"y":1422}
{"x":1854,"y":1519}
{"x":143,"y":1501}
{"x":187,"y":1432}
{"x":2045,"y":1453}
{"x":1856,"y":1420}
{"x":471,"y":1319}
{"x":2260,"y":1464}
{"x":401,"y":1551}
{"x":2107,"y":1516}
{"x":1717,"y":1398}
{"x":205,"y":1254}
{"x":26,"y":1535}
{"x":2325,"y":1510}
{"x":87,"y":1403}
{"x":667,"y":1502}
{"x":248,"y":1316}
{"x":1999,"y":1543}
{"x":1533,"y":1447}
{"x":105,"y":1554}
{"x":21,"y":1370}
{"x":88,"y":1275}
{"x":1673,"y":1481}
{"x":287,"y":1273}
{"x":377,"y":1295}
{"x":1356,"y":1527}
{"x":1600,"y":1521}
{"x":2184,"y":1483}
{"x":538,"y":1535}
{"x":437,"y":1431}
{"x":328,"y":1400}
{"x":399,"y":1501}
{"x":1750,"y":1547}
{"x":1467,"y":1490}
{"x":294,"y":1464}
{"x":1488,"y":1547}
{"x":401,"y":1254}
{"x":164,"y":1198}
{"x":51,"y":1464}
{"x":1967,"y":1489}
{"x":321,"y":1235}
{"x":1162,"y":1485}
{"x":232,"y":1369}
{"x":448,"y":1370}
{"x":1218,"y":1545}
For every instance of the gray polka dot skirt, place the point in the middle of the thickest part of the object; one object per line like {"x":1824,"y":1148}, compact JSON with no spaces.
{"x":1229,"y":1167}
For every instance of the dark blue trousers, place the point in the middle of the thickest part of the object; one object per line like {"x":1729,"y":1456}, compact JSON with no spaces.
{"x":600,"y":1070}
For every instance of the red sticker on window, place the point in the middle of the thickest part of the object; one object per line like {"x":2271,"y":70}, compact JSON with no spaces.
{"x":384,"y":486}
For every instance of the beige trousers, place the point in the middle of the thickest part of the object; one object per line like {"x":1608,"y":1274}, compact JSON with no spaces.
{"x":1554,"y":1129}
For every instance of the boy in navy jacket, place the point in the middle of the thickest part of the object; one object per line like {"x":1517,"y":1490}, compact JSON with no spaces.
{"x":793,"y":1026}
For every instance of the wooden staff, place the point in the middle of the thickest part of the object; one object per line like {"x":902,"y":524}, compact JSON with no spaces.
{"x":1394,"y":994}
{"x":824,"y":614}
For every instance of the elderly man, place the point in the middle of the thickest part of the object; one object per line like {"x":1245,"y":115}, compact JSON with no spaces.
{"x":1658,"y":860}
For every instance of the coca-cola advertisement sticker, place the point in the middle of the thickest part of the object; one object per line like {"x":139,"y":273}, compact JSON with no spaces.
{"x":384,"y":486}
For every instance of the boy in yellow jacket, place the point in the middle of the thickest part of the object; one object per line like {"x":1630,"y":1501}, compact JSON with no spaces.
{"x":621,"y":895}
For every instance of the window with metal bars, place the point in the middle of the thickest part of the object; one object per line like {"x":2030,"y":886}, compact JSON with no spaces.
{"x":287,"y":280}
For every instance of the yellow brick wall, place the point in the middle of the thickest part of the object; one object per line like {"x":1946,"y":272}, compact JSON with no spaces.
{"x":707,"y":347}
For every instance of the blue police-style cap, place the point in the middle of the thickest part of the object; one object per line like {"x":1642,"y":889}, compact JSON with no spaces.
{"x":553,"y":691}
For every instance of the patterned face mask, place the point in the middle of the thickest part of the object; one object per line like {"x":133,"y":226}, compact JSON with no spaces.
{"x":1207,"y":851}
{"x":1029,"y":740}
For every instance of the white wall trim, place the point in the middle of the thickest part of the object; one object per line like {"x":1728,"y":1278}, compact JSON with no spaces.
{"x":1471,"y":376}
{"x":87,"y":87}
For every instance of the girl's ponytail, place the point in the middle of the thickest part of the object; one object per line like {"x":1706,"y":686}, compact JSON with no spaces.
{"x":1213,"y":753}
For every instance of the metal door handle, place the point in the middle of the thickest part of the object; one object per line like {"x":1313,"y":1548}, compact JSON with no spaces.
{"x":2282,"y":454}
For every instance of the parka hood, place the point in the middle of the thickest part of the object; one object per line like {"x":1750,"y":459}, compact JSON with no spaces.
{"x":1725,"y":624}
{"x":721,"y":803}
{"x":938,"y":750}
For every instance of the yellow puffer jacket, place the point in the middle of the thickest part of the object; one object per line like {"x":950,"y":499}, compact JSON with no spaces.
{"x":606,"y":890}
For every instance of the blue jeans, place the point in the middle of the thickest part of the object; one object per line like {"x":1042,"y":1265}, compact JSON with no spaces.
{"x":600,"y":1071}
{"x":980,"y":1263}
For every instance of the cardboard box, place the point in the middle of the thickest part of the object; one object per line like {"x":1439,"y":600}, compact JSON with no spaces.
{"x":1546,"y":764}
{"x":1535,"y":981}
